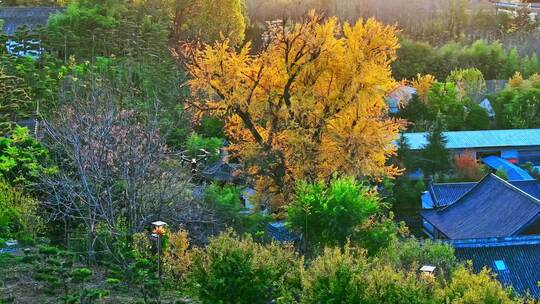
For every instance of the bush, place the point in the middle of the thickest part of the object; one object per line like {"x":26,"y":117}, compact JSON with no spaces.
{"x":467,"y":287}
{"x":234,"y":270}
{"x":176,"y":259}
{"x":334,"y":277}
{"x":348,"y":277}
{"x":468,"y":168}
{"x":411,"y":254}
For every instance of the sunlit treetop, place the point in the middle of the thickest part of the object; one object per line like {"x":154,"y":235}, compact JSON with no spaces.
{"x":309,"y":104}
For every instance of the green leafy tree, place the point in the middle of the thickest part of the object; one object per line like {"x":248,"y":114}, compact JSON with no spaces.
{"x":444,"y":100}
{"x":330,"y":214}
{"x":477,"y":118}
{"x":211,"y":127}
{"x":334,"y":277}
{"x":196,"y":143}
{"x":435,"y":156}
{"x":470,"y":83}
{"x":208,"y":20}
{"x":22,"y":158}
{"x":412,"y":254}
{"x":518,"y":106}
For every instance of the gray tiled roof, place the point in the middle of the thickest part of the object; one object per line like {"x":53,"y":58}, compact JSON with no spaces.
{"x":522,"y":262}
{"x":15,"y":17}
{"x":448,"y":193}
{"x":493,"y":208}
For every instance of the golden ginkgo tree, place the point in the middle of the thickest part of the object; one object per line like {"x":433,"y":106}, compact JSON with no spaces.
{"x":309,"y":104}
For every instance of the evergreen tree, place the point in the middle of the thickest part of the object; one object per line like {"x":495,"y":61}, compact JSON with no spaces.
{"x":477,"y":118}
{"x":435,"y":158}
{"x":15,"y":104}
{"x":415,"y":112}
{"x":404,"y":155}
{"x":531,"y":65}
{"x":512,"y":63}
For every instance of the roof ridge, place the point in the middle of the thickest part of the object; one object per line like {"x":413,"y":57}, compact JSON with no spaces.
{"x":454,"y":183}
{"x":516,"y":189}
{"x":466,"y":193}
{"x":480,"y":131}
{"x":434,"y":197}
{"x":504,"y":182}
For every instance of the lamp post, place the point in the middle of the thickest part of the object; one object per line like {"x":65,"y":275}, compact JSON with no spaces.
{"x":158,"y":233}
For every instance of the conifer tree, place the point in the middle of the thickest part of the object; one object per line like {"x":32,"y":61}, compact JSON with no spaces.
{"x":435,"y":158}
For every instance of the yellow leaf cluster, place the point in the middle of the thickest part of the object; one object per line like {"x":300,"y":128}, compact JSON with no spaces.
{"x":423,"y":84}
{"x":310,"y":104}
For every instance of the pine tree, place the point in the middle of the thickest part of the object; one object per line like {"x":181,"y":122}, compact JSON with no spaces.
{"x":404,"y":155}
{"x":435,"y":158}
{"x":531,"y":65}
{"x":512,"y":63}
{"x":15,"y":104}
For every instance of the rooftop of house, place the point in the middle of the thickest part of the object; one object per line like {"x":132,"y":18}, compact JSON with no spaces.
{"x":16,"y":17}
{"x":480,"y":139}
{"x":399,"y":96}
{"x":491,"y":208}
{"x":279,"y":232}
{"x":221,"y":171}
{"x":514,"y":261}
{"x":441,"y":195}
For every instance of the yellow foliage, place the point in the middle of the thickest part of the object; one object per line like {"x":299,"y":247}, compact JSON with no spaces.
{"x":176,"y":258}
{"x":308,"y":105}
{"x":423,"y":84}
{"x":516,"y":81}
{"x":141,"y":245}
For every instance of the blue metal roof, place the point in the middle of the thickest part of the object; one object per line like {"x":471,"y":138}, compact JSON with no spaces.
{"x":480,"y":139}
{"x":514,"y":172}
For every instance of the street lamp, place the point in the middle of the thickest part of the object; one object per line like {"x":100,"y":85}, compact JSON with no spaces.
{"x":159,"y":230}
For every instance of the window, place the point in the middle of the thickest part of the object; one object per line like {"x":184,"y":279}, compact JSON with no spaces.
{"x":500,"y":265}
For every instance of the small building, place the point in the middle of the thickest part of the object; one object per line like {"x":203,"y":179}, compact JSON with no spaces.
{"x":280,"y":233}
{"x":17,"y":17}
{"x":491,"y":208}
{"x":515,"y":261}
{"x":14,"y":18}
{"x":486,"y":105}
{"x":399,"y":97}
{"x":518,"y":146}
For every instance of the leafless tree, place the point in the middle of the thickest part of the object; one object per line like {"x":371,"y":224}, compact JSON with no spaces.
{"x":114,"y":168}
